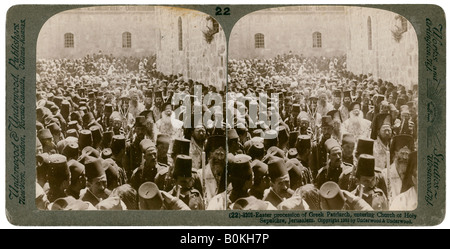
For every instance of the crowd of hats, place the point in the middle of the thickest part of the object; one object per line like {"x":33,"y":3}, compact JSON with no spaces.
{"x":71,"y":141}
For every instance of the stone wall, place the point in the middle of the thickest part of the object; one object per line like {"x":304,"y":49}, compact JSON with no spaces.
{"x":289,"y":29}
{"x":197,"y":59}
{"x":391,"y":60}
{"x":99,"y":28}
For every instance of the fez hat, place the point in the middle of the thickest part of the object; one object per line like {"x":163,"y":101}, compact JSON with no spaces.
{"x":347,"y":93}
{"x":58,"y":168}
{"x":76,"y":169}
{"x":327,"y":120}
{"x":90,"y":151}
{"x":108,"y":108}
{"x":85,"y":138}
{"x":72,"y":125}
{"x":365,"y":166}
{"x":277,"y":168}
{"x":364,"y":146}
{"x":331,"y":143}
{"x":240,"y":167}
{"x":71,"y":150}
{"x":93,"y":167}
{"x":270,"y":138}
{"x":293,"y":138}
{"x":335,"y":114}
{"x":106,"y":153}
{"x":44,"y":134}
{"x":259,"y":168}
{"x":401,"y":141}
{"x":214,"y":142}
{"x":183,"y":166}
{"x":145,"y":144}
{"x":295,"y":173}
{"x":283,"y":135}
{"x":72,"y":133}
{"x":256,"y":149}
{"x":296,"y":108}
{"x":303,"y":142}
{"x":232,"y":134}
{"x":274,"y":151}
{"x":332,"y":195}
{"x":62,"y":202}
{"x":65,"y":109}
{"x":348,"y":138}
{"x":111,"y":203}
{"x":181,"y":146}
{"x":150,"y":197}
{"x":140,"y":120}
{"x":292,"y":153}
{"x":96,"y":134}
{"x":117,"y":143}
{"x":106,"y":139}
{"x":162,"y":138}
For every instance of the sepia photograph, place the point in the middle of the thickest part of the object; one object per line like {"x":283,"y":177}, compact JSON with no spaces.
{"x":114,"y":124}
{"x":335,"y":89}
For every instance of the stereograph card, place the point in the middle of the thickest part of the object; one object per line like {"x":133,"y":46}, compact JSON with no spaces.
{"x":225,"y":115}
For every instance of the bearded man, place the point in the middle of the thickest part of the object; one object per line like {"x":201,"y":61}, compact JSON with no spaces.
{"x":356,"y":124}
{"x":169,"y":125}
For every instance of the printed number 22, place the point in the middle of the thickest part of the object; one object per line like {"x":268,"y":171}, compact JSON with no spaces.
{"x":226,"y":11}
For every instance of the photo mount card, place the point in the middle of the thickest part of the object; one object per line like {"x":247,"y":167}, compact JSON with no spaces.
{"x":81,"y":57}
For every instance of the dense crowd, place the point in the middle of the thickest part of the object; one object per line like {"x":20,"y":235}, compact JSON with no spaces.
{"x":287,"y":133}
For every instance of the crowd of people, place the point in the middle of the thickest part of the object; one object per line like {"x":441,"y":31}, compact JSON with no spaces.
{"x":114,"y":134}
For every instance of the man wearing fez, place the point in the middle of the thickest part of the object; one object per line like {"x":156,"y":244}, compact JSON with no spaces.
{"x":344,"y":108}
{"x":184,"y":189}
{"x":164,"y":177}
{"x":151,"y":198}
{"x":366,"y":184}
{"x":240,"y":176}
{"x":348,"y":146}
{"x":46,"y":138}
{"x":319,"y":150}
{"x":105,"y":116}
{"x":261,"y":180}
{"x":118,"y":149}
{"x":77,"y":178}
{"x":383,"y":133}
{"x":334,"y":168}
{"x":162,"y":148}
{"x":394,"y":175}
{"x":58,"y":176}
{"x":279,"y":182}
{"x":134,"y":153}
{"x":212,"y":176}
{"x":303,"y":146}
{"x":95,"y":190}
{"x":149,"y":167}
{"x":356,"y":124}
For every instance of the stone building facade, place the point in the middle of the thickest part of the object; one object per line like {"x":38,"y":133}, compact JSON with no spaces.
{"x":307,"y":30}
{"x":183,"y":48}
{"x":116,"y":30}
{"x":374,"y":41}
{"x":175,"y":35}
{"x":382,"y":43}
